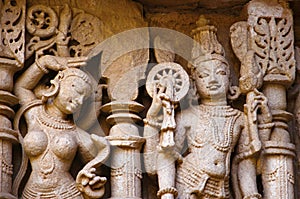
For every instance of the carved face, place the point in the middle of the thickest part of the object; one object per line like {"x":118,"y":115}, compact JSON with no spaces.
{"x":212,"y":80}
{"x":73,"y":90}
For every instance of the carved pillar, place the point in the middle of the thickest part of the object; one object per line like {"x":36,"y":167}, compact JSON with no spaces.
{"x":272,"y":38}
{"x":124,"y":64}
{"x":277,"y":168}
{"x":11,"y":60}
{"x":269,"y":32}
{"x":126,"y":173}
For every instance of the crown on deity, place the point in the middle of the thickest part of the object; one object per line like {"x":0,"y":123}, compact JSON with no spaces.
{"x":206,"y":46}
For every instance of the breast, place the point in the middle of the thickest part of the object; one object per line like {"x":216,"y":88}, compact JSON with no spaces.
{"x":64,"y":146}
{"x":35,"y":143}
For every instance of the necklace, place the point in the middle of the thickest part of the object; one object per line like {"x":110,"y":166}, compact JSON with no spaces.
{"x":227,"y":132}
{"x":54,"y":122}
{"x":207,"y":114}
{"x":218,"y":111}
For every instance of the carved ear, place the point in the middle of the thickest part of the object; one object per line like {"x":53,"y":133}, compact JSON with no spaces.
{"x":52,"y":91}
{"x":192,"y":70}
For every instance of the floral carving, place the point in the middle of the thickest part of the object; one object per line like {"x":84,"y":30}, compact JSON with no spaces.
{"x":13,"y":35}
{"x":62,"y":31}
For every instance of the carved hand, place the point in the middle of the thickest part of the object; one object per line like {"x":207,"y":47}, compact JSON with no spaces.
{"x":60,"y":63}
{"x":90,"y":184}
{"x":261,"y":102}
{"x":156,"y":105}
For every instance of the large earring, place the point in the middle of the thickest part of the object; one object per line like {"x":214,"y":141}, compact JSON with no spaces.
{"x":193,"y":94}
{"x":234,"y":92}
{"x":52,"y":91}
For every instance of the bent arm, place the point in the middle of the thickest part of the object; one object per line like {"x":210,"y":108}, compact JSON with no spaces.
{"x":87,"y":149}
{"x":30,"y":78}
{"x":27,"y":82}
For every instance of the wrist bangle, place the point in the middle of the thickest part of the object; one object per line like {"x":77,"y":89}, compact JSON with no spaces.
{"x":42,"y":68}
{"x":152,"y":123}
{"x":252,"y":196}
{"x":170,"y":190}
{"x":266,"y":125}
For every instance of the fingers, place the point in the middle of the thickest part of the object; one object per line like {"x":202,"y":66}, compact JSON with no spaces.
{"x":97,"y":181}
{"x":77,"y":62}
{"x":259,"y":101}
{"x":89,"y":173}
{"x":164,"y":96}
{"x":90,"y":178}
{"x":60,"y":63}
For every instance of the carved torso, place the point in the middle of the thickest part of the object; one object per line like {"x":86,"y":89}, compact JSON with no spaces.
{"x":51,"y":150}
{"x":212,"y":132}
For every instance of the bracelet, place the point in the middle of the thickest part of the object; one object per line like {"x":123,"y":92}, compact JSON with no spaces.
{"x":42,"y":68}
{"x":152,"y":123}
{"x":255,"y":195}
{"x":266,"y":126}
{"x":171,"y":190}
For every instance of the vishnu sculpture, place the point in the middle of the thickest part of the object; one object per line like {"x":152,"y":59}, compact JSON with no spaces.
{"x":208,"y":133}
{"x":52,"y":138}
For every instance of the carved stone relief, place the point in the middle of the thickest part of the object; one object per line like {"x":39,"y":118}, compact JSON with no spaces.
{"x":268,"y":58}
{"x":12,"y":48}
{"x":96,"y":103}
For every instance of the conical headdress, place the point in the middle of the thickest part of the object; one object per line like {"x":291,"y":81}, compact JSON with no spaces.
{"x":206,"y":46}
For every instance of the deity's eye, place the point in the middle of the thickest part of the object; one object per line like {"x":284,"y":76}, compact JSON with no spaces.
{"x":202,"y":74}
{"x":221,"y":72}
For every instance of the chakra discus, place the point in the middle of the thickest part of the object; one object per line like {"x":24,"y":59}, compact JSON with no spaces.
{"x":172,"y":72}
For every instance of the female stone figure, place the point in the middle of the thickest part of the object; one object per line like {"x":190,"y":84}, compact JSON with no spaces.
{"x":52,"y":139}
{"x":209,"y":132}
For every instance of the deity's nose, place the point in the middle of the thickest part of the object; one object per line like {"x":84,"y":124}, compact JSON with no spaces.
{"x":80,"y":100}
{"x":212,"y":78}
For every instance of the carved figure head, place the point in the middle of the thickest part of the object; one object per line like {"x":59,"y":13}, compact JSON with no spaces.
{"x":68,"y":89}
{"x":206,"y":46}
{"x":210,"y":69}
{"x":212,"y":80}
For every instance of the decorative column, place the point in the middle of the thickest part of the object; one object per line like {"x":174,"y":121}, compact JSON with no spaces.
{"x":269,"y":32}
{"x":12,"y":45}
{"x":126,"y":173}
{"x":123,"y":65}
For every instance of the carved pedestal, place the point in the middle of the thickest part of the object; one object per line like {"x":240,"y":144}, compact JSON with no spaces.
{"x":126,"y":173}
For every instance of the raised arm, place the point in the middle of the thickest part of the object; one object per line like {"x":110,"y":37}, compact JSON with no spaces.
{"x":258,"y":125}
{"x":30,"y":78}
{"x":27,"y":82}
{"x":151,"y":133}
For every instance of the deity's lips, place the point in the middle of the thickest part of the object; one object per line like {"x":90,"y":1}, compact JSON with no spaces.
{"x":214,"y":86}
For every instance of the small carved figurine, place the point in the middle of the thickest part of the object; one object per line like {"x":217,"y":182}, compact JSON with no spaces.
{"x":52,"y":138}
